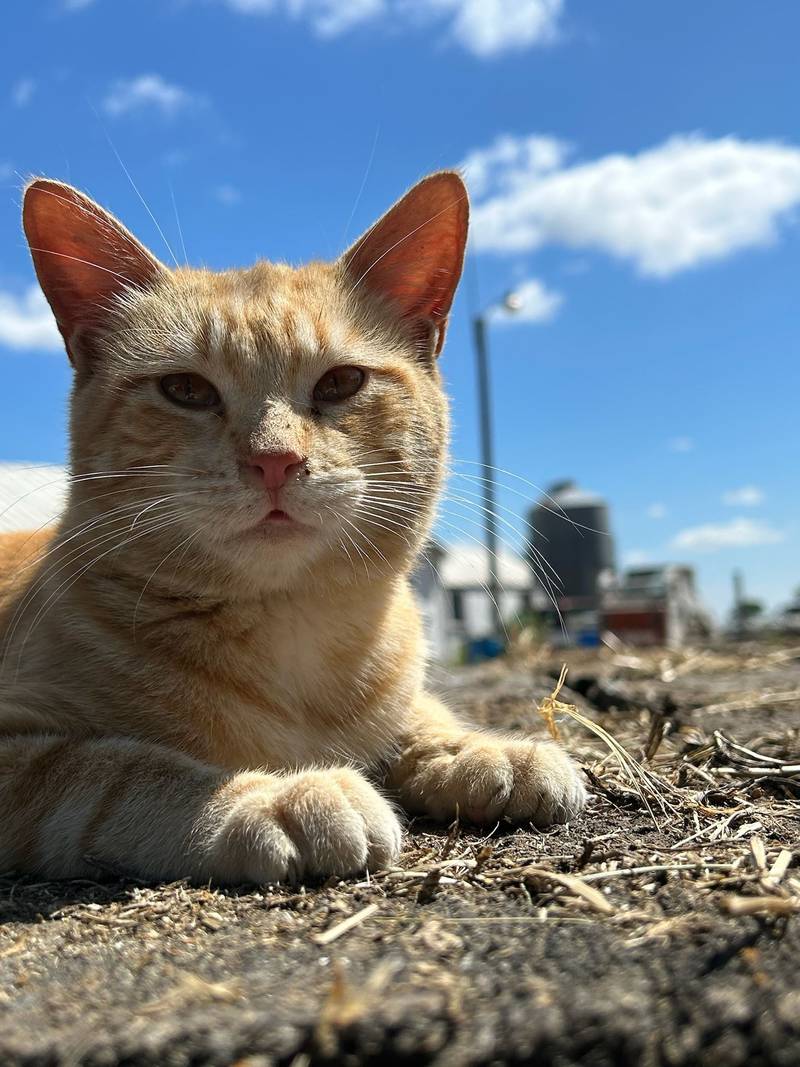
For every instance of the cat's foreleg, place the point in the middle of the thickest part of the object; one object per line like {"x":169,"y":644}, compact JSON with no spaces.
{"x":443,"y":768}
{"x":69,"y":807}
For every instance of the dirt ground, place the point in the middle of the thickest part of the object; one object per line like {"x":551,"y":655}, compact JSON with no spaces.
{"x":662,"y":928}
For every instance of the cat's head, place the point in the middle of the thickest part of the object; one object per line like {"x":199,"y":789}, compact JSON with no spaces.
{"x":283,"y":421}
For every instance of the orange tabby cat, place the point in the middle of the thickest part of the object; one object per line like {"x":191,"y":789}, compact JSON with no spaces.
{"x":218,"y":662}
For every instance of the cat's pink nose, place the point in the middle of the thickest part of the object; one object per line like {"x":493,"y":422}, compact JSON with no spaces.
{"x":276,"y":468}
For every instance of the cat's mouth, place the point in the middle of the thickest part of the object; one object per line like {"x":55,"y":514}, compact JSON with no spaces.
{"x":279,"y":523}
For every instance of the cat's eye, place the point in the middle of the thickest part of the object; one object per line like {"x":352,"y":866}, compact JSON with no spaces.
{"x":339,"y":384}
{"x":190,"y":391}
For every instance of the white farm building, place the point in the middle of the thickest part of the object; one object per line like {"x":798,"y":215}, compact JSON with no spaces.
{"x":452,"y":589}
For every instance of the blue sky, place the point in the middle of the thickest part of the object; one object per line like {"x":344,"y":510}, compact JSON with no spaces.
{"x":635,"y":170}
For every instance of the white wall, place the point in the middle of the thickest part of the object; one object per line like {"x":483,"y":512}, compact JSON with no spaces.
{"x":478,"y":611}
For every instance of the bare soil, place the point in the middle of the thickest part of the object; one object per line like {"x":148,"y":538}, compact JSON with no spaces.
{"x":663,"y":928}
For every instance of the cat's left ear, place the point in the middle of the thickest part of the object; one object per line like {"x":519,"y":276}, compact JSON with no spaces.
{"x":412,"y":257}
{"x":83,"y":257}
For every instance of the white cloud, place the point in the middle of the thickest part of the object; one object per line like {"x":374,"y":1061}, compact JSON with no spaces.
{"x":636,"y":557}
{"x":738,"y":533}
{"x":688,"y":201}
{"x":512,"y":162}
{"x":77,"y":5}
{"x":228,"y":195}
{"x":489,"y":27}
{"x":27,"y":323}
{"x":656,"y":511}
{"x":536,"y":303}
{"x":749,"y":496}
{"x":484,"y":27}
{"x":680,"y":444}
{"x":22,"y":92}
{"x":147,"y":91}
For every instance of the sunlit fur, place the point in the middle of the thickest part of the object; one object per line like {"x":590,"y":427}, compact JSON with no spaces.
{"x":166,"y":618}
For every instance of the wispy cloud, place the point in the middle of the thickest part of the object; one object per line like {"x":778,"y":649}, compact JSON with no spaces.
{"x":228,"y":195}
{"x":176,"y":157}
{"x":327,"y":17}
{"x":657,"y":511}
{"x":748,"y":496}
{"x":686,"y":202}
{"x":147,"y":92}
{"x":27,"y":323}
{"x":534,"y":302}
{"x":77,"y":5}
{"x":738,"y":533}
{"x":680,"y":444}
{"x":484,"y":27}
{"x":22,"y":92}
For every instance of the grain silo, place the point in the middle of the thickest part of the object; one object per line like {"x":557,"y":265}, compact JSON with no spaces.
{"x":569,"y":528}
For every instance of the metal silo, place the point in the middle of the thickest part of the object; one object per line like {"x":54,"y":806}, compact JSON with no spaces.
{"x":570,"y":528}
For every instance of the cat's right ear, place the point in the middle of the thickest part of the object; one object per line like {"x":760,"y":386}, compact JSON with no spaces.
{"x":83,"y":258}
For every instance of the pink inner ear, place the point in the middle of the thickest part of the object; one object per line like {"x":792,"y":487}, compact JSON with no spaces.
{"x":81,"y":254}
{"x":413,"y":256}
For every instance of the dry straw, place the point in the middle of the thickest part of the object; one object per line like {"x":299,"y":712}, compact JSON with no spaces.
{"x":652,"y":790}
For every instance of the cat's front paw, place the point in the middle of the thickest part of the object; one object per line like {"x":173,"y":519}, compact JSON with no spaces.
{"x":315,"y":823}
{"x":487,"y":778}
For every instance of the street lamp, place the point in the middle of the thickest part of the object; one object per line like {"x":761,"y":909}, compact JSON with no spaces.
{"x":511,"y":303}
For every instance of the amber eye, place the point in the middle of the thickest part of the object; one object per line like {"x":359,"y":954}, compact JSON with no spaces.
{"x":339,"y":384}
{"x":190,"y":391}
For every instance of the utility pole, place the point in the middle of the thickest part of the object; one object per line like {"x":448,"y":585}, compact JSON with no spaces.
{"x":738,"y":601}
{"x":510,"y":304}
{"x":487,"y":462}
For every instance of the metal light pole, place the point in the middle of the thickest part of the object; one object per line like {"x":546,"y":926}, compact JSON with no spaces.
{"x":510,"y":303}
